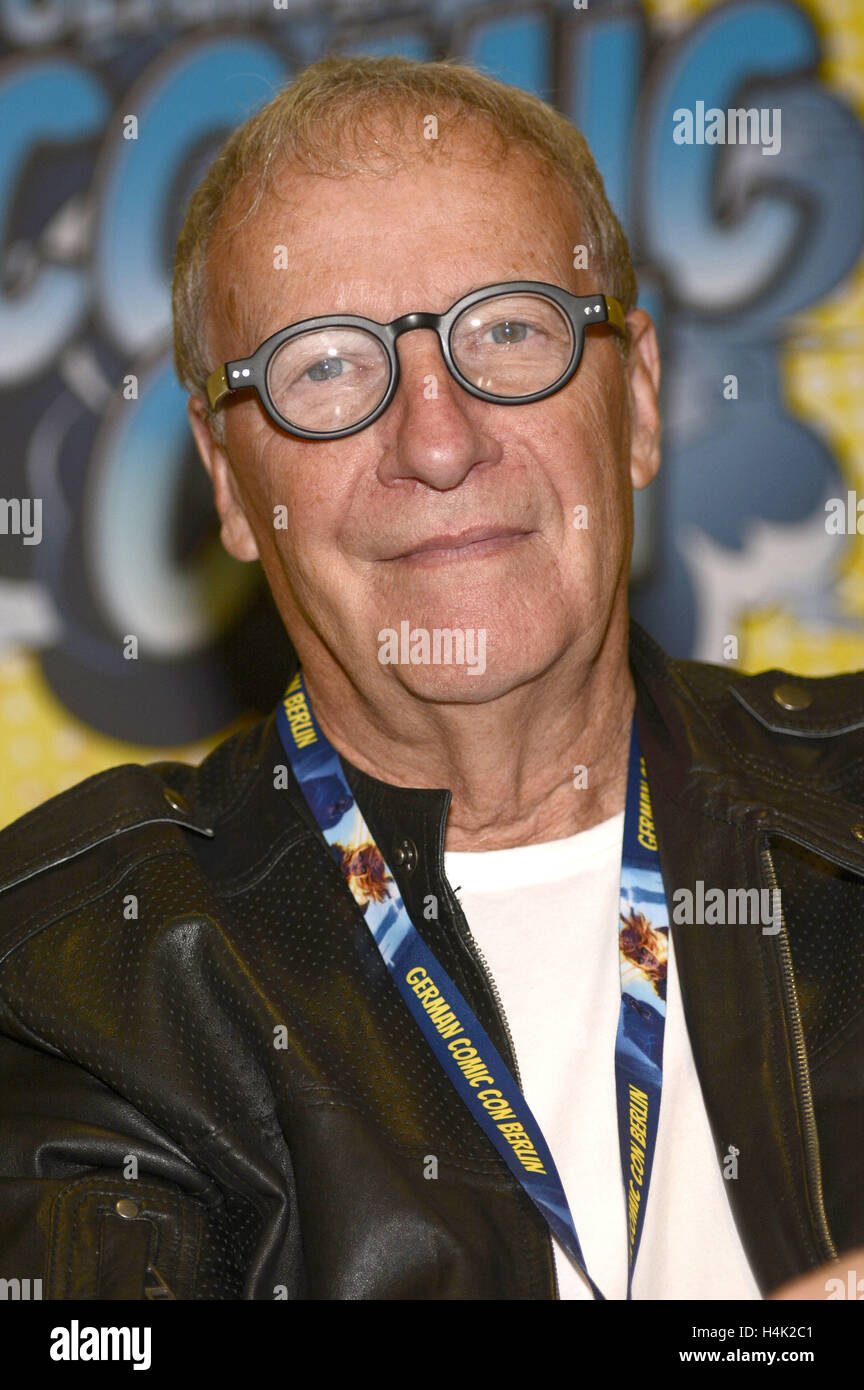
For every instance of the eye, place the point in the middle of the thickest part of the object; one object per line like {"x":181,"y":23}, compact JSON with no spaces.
{"x":509,"y":331}
{"x":325,"y":369}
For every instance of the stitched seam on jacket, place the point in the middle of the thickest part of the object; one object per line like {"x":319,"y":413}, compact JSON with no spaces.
{"x":232,"y":887}
{"x":247,"y":780}
{"x":48,"y":809}
{"x":239,"y":799}
{"x":87,"y":895}
{"x":114,"y":876}
{"x":100,"y":1250}
{"x":835,"y":1042}
{"x":740,"y":757}
{"x":816,"y":728}
{"x":686,"y":804}
{"x":84,"y":841}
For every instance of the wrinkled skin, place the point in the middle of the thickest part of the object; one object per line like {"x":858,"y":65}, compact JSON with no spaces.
{"x":552,"y":600}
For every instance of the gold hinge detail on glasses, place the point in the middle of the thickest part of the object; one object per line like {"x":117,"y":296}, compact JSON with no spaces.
{"x":615,"y":312}
{"x":217,"y":386}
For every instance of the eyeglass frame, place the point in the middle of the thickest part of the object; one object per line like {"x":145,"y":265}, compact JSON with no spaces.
{"x":596,"y":308}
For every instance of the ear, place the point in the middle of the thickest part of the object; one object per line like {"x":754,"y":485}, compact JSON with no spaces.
{"x":643,"y":372}
{"x":236,"y":533}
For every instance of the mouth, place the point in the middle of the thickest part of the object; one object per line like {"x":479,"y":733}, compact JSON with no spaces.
{"x":473,"y":543}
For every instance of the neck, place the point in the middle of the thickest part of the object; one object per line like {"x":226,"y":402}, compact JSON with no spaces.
{"x":541,"y":762}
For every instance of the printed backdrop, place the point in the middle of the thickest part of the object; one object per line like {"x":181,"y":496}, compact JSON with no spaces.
{"x":751,"y":264}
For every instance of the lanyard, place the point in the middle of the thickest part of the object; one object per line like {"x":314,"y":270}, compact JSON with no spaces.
{"x":454,"y":1033}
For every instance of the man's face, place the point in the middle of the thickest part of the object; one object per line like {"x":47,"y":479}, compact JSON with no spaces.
{"x":549,"y":483}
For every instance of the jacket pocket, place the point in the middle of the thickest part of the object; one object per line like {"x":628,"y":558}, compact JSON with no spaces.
{"x":108,"y":1242}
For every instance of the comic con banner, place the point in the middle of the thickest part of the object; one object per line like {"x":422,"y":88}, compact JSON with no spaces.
{"x":730,"y":140}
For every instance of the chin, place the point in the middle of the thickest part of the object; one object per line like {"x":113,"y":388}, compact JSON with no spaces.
{"x":484,"y":673}
{"x":454,"y":687}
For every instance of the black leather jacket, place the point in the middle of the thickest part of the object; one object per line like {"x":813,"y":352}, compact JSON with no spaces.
{"x":164,"y":927}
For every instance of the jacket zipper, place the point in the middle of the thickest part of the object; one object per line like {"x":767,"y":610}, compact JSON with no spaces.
{"x":474,"y":951}
{"x":802,"y":1068}
{"x":480,"y":960}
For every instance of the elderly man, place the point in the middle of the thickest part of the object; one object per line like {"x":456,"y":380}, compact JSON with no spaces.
{"x":506,"y":959}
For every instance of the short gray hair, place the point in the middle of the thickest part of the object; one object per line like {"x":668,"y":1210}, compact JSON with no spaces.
{"x":326,"y":118}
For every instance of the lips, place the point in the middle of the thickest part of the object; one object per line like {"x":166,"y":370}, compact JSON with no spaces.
{"x":460,"y":540}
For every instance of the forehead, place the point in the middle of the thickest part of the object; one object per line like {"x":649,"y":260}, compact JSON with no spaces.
{"x":417,"y":237}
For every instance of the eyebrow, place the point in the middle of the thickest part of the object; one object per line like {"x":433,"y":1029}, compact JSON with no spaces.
{"x":354,"y":313}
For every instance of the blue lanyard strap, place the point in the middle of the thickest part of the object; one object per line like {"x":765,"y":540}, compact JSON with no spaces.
{"x":454,"y":1033}
{"x":643,"y":939}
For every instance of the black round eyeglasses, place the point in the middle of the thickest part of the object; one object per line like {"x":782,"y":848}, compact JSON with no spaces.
{"x":328,"y":377}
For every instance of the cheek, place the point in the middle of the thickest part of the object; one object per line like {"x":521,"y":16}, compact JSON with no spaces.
{"x":298,"y":486}
{"x":603,"y":403}
{"x":587,"y":436}
{"x":589,"y":440}
{"x":604,"y":426}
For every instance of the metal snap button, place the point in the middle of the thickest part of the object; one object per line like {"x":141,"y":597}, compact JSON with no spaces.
{"x":176,"y":801}
{"x":127,"y":1209}
{"x":405,"y":856}
{"x":858,"y":832}
{"x":792,"y":697}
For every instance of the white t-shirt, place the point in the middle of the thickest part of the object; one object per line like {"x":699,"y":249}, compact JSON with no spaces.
{"x":545,"y":917}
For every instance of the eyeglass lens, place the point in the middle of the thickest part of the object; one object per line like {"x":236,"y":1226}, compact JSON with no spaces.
{"x":507,"y":345}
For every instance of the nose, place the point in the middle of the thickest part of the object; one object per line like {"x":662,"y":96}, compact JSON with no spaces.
{"x":434,"y":428}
